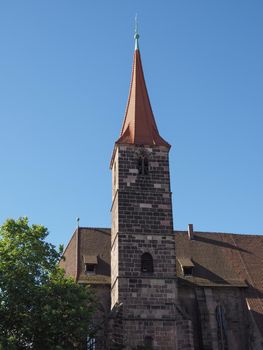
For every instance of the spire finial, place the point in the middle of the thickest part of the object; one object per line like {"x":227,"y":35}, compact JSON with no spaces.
{"x":136,"y":35}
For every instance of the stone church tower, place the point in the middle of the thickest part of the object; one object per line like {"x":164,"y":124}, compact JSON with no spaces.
{"x":158,"y":288}
{"x":143,"y":261}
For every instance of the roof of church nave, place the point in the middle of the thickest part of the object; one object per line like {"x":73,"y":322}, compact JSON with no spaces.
{"x":220,"y":260}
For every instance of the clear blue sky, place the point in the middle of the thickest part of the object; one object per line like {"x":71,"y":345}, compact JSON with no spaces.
{"x":65,"y":69}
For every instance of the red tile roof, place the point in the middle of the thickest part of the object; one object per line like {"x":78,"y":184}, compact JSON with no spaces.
{"x":226,"y":260}
{"x":219,"y":259}
{"x":139,"y":126}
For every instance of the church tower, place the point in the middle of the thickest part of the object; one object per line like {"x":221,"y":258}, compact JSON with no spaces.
{"x":143,"y":262}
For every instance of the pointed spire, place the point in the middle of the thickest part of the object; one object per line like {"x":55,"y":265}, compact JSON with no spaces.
{"x":139,"y":126}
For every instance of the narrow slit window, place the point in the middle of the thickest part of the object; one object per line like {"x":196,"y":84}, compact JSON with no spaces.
{"x":140,"y":166}
{"x":143,"y":166}
{"x":146,"y":263}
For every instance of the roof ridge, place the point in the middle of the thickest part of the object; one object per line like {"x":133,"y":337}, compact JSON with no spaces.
{"x":221,"y":233}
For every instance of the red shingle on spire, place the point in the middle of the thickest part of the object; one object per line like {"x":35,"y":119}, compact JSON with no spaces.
{"x":139,"y":126}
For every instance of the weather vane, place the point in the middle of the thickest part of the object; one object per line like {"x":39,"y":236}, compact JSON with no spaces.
{"x":136,"y":23}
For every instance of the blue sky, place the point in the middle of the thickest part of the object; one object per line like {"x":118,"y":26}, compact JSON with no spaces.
{"x":65,"y":69}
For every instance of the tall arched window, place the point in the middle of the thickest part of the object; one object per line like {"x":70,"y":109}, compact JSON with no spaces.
{"x":143,"y":165}
{"x":146,"y":263}
{"x":140,"y":166}
{"x":91,"y":343}
{"x":221,"y":327}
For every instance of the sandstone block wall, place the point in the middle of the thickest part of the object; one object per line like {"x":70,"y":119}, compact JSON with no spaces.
{"x":200,"y":303}
{"x":142,"y":222}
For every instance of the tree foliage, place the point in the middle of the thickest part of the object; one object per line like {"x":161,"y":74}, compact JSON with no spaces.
{"x":39,"y":307}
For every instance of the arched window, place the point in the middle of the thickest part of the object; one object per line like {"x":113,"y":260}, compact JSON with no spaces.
{"x":221,"y":327}
{"x":148,"y":342}
{"x":91,"y":343}
{"x":146,"y":263}
{"x":140,"y":166}
{"x":143,"y":165}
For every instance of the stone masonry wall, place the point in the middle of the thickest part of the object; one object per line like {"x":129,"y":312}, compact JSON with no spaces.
{"x":144,"y":200}
{"x":201,"y":303}
{"x":142,"y":222}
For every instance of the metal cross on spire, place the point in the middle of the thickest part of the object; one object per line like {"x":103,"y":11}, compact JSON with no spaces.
{"x":136,"y":35}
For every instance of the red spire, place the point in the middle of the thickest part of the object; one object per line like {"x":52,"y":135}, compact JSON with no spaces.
{"x":139,"y":126}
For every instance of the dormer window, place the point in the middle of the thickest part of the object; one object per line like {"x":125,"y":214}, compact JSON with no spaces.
{"x":90,"y":262}
{"x":187,"y":266}
{"x":146,"y":263}
{"x":188,"y":270}
{"x":90,"y":269}
{"x":143,"y":165}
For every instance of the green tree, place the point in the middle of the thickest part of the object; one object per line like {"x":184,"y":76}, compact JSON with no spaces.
{"x":39,"y":307}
